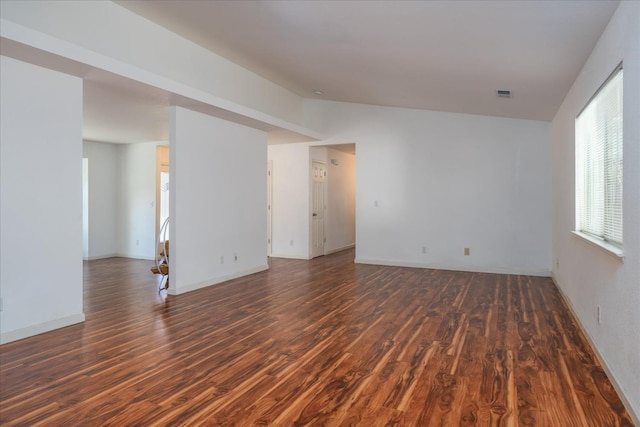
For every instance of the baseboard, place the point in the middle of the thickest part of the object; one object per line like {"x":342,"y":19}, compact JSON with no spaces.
{"x":41,"y":328}
{"x":634,"y":412}
{"x":289,"y":256}
{"x":215,"y":280}
{"x":466,"y":268}
{"x":135,"y":256}
{"x":119,"y":255}
{"x":344,"y":248}
{"x":91,"y":258}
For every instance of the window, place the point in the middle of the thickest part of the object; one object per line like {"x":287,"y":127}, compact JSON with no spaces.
{"x":599,"y":164}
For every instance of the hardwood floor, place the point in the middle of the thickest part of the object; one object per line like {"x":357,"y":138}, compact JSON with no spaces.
{"x":325,"y":342}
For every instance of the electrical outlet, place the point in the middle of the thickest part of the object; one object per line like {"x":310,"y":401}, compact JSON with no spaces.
{"x":222,"y":259}
{"x":290,"y":242}
{"x":424,"y":249}
{"x":235,"y":257}
{"x":557,"y":262}
{"x":137,"y":242}
{"x":467,"y":251}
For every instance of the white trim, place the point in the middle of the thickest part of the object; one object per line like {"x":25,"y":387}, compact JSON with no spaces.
{"x":91,"y":258}
{"x":215,"y":280}
{"x":135,"y":256}
{"x":41,"y":328}
{"x":605,"y":247}
{"x":118,"y":255}
{"x":466,"y":268}
{"x":344,"y":248}
{"x":634,"y":412}
{"x":306,"y":258}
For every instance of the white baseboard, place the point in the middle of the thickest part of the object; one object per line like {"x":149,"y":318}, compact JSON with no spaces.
{"x":91,"y":258}
{"x":119,"y":255}
{"x":466,"y":268}
{"x":307,"y":258}
{"x":634,"y":412}
{"x":136,"y":256}
{"x":289,"y":256}
{"x":215,"y":280}
{"x":344,"y":248}
{"x":41,"y":328}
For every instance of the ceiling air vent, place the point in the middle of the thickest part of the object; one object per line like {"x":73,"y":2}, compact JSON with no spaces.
{"x":503,"y":93}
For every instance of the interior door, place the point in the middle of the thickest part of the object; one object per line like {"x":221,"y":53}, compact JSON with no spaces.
{"x":318,"y":177}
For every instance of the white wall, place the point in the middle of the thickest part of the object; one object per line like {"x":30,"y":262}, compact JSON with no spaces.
{"x":218,"y":200}
{"x":86,"y":30}
{"x":586,"y":275}
{"x":290,"y":200}
{"x":446,"y":181}
{"x":103,"y":198}
{"x":340,"y":227}
{"x":41,"y":200}
{"x":122,"y":197}
{"x":136,"y":209}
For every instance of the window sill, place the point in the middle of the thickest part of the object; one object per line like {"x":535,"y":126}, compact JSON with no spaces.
{"x":605,"y":247}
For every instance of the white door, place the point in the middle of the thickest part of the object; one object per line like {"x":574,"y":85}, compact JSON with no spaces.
{"x":318,"y":176}
{"x":269,"y":202}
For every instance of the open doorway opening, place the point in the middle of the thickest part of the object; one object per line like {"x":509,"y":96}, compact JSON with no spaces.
{"x":296,"y":232}
{"x":333,"y":198}
{"x":162,"y":188}
{"x":162,"y":215}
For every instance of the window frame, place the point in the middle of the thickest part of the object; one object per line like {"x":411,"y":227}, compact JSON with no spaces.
{"x":610,"y":247}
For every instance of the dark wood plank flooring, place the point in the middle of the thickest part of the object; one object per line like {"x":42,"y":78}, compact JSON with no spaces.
{"x":325,"y":342}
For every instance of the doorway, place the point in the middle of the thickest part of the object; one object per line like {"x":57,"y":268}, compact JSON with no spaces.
{"x":162,"y":188}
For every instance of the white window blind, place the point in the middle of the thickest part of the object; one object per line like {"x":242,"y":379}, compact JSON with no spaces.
{"x":599,"y":163}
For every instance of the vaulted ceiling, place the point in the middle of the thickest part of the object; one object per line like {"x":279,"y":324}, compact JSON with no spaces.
{"x":437,"y":55}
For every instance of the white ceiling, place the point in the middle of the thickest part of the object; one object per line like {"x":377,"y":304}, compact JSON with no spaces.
{"x":436,"y":55}
{"x":120,"y":110}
